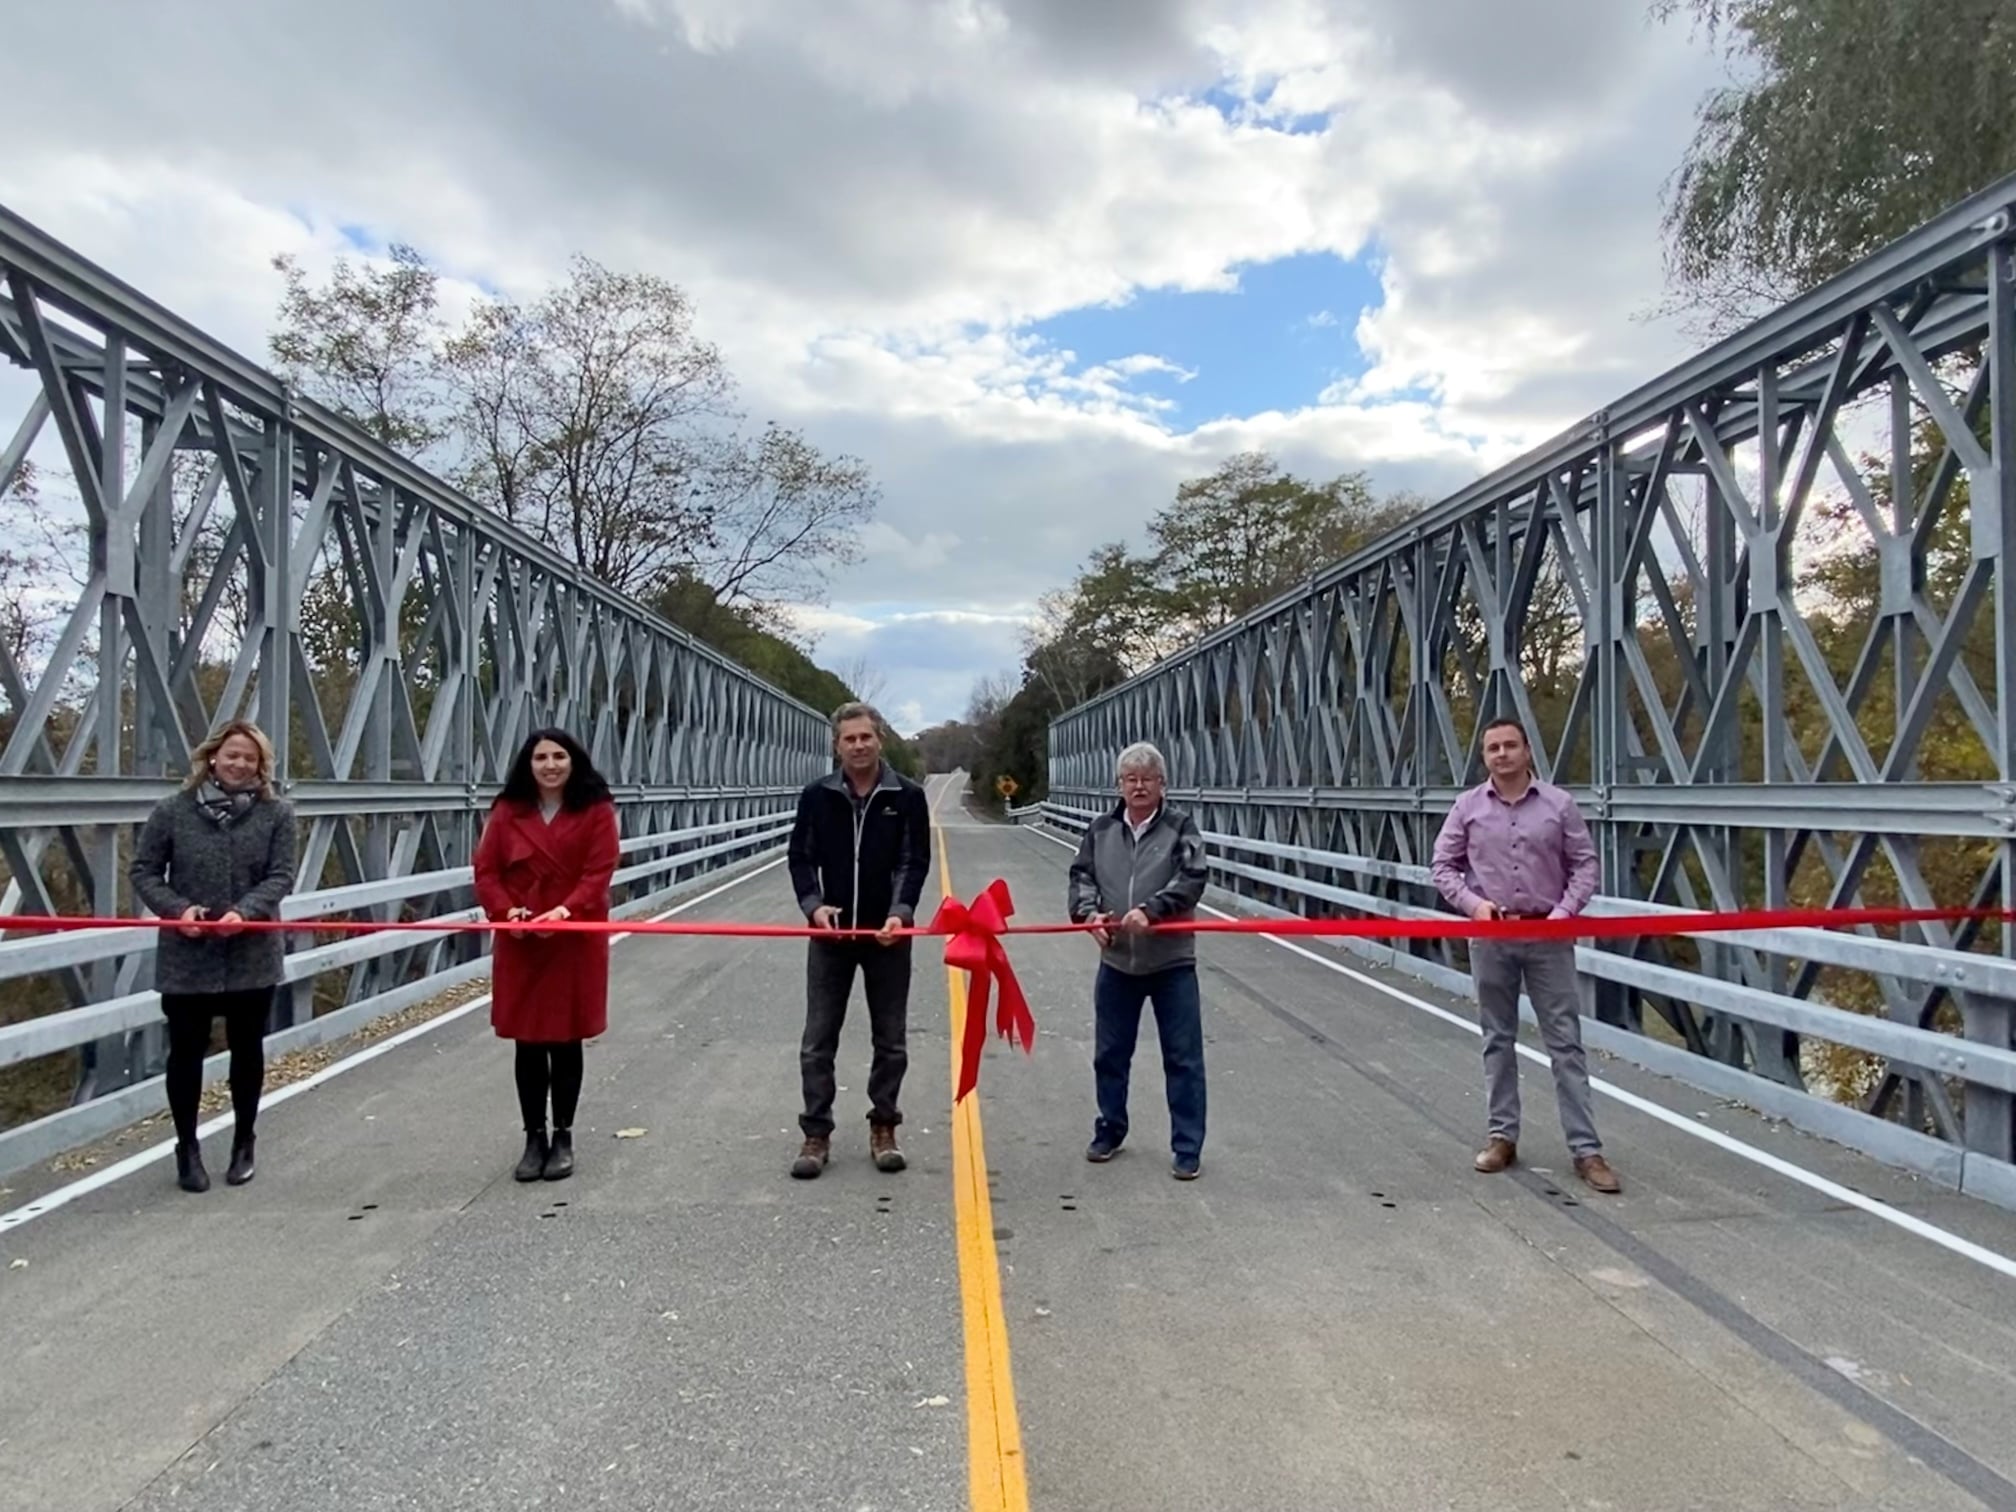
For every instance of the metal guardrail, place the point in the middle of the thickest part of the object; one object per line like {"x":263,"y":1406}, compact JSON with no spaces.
{"x":671,"y":864}
{"x":1926,"y":1050}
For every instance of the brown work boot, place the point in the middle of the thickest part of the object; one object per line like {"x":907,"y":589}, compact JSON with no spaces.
{"x":1595,"y":1170}
{"x":882,"y":1146}
{"x":811,"y":1157}
{"x":1496,"y":1156}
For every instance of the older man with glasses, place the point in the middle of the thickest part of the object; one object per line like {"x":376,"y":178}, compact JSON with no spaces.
{"x":1143,"y":864}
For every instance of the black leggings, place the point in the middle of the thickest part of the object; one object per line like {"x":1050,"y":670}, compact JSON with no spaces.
{"x":541,"y":1066}
{"x":191,"y":1016}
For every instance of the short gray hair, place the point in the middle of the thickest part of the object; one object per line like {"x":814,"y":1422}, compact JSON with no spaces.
{"x":1139,"y":756}
{"x":854,"y":709}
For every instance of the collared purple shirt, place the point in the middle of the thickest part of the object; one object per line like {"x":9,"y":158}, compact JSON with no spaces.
{"x":1531,"y":857}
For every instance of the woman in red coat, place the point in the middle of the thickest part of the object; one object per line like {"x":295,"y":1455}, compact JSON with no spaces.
{"x":547,"y":853}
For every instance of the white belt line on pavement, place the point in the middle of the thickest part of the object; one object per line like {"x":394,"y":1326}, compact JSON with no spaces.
{"x":1979,"y":1254}
{"x":84,"y":1186}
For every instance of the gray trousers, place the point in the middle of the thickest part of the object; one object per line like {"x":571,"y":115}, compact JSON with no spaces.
{"x":1547,"y":970}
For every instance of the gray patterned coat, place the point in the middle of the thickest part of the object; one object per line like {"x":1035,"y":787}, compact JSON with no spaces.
{"x":246,"y":863}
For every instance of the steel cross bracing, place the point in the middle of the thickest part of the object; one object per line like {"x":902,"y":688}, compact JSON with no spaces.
{"x":1755,"y":614}
{"x":252,"y":552}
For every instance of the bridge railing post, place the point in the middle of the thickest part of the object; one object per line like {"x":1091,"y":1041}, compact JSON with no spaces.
{"x":1991,"y":1115}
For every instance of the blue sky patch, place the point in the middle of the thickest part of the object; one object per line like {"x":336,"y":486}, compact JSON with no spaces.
{"x":1242,"y":109}
{"x":1275,"y":342}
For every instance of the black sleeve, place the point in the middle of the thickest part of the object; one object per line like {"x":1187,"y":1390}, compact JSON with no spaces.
{"x":804,"y":855}
{"x":913,"y":856}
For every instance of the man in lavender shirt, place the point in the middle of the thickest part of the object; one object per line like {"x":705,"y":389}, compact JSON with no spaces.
{"x":1517,"y":848}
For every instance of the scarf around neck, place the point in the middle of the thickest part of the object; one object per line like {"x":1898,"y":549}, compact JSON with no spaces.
{"x":220,"y":804}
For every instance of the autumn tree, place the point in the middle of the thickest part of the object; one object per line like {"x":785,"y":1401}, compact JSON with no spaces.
{"x":950,"y":746}
{"x":780,"y":516}
{"x":366,"y":344}
{"x":587,"y":414}
{"x":30,"y":607}
{"x":592,"y":416}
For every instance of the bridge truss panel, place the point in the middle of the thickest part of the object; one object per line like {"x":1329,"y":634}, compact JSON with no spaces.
{"x":245,"y":551}
{"x":1755,"y":614}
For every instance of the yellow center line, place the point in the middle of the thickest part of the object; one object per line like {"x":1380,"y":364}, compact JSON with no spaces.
{"x":997,"y":1474}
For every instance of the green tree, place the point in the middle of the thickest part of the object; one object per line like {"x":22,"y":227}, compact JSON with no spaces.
{"x":1111,"y":622}
{"x":1229,"y":542}
{"x":1015,"y":742}
{"x":1856,"y":120}
{"x":1250,"y":531}
{"x":738,"y":634}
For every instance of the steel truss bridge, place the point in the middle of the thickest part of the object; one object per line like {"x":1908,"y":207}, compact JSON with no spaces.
{"x":251,"y":552}
{"x":1757,"y":615}
{"x":1666,"y":594}
{"x":1754,"y":614}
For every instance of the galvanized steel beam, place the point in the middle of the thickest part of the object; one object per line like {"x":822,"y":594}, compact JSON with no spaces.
{"x":252,"y":553}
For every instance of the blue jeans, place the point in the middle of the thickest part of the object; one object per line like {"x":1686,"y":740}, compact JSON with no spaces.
{"x":1179,"y":1023}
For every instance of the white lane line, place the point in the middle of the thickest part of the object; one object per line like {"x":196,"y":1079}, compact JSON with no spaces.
{"x":944,"y":787}
{"x":84,"y":1186}
{"x":1979,"y":1254}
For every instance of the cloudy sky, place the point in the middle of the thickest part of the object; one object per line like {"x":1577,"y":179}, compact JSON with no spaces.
{"x":1037,"y":261}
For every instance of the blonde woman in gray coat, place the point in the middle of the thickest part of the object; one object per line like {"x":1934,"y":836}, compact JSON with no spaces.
{"x":221,"y":849}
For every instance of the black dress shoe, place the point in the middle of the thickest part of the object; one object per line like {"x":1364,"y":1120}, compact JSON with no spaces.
{"x":560,"y":1159}
{"x":532,"y":1164}
{"x":189,"y":1172}
{"x":241,"y":1170}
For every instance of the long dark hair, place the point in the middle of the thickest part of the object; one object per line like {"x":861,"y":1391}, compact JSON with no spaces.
{"x":584,"y":784}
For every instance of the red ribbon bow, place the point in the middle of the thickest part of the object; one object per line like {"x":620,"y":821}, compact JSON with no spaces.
{"x":975,"y":947}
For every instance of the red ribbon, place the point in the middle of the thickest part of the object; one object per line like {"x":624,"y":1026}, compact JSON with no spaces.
{"x":1436,"y":927}
{"x":974,"y":934}
{"x":975,"y":947}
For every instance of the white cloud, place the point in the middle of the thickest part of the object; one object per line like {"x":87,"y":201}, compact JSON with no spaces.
{"x":885,"y":543}
{"x":958,"y":617}
{"x":1143,"y":362}
{"x":872,"y":200}
{"x":821,"y":623}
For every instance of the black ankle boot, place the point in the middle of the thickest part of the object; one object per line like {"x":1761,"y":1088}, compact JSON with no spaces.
{"x":560,"y":1159}
{"x":241,"y":1170}
{"x":532,"y":1164}
{"x":189,"y":1172}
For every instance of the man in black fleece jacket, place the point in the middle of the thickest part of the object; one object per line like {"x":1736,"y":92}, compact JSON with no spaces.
{"x":859,"y":851}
